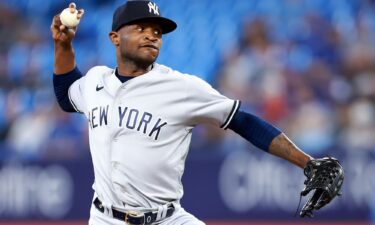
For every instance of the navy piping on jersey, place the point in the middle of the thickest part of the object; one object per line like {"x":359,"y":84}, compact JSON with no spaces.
{"x":72,"y":103}
{"x":254,"y":129}
{"x":61,"y":84}
{"x":235,"y":107}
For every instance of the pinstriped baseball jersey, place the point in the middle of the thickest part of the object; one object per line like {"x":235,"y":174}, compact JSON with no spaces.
{"x":140,"y":130}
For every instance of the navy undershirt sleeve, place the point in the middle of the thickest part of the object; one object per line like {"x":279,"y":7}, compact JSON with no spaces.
{"x":254,"y":129}
{"x":61,"y":84}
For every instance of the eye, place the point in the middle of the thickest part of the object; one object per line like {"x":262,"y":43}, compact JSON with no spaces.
{"x":157,"y":32}
{"x":140,"y":29}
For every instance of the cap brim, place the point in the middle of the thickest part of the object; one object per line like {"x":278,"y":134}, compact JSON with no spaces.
{"x":166,"y":24}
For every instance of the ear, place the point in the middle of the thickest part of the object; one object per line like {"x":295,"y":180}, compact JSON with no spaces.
{"x":115,"y":38}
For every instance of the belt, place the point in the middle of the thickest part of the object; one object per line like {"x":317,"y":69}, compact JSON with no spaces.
{"x":134,"y":218}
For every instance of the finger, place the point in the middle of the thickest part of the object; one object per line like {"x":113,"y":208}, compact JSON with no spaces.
{"x":62,"y":27}
{"x":58,"y":36}
{"x":55,"y":35}
{"x":72,"y":7}
{"x":55,"y":27}
{"x":70,"y":33}
{"x":56,"y":22}
{"x":80,"y":13}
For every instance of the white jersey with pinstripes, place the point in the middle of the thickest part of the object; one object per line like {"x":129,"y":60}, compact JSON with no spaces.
{"x":140,"y":130}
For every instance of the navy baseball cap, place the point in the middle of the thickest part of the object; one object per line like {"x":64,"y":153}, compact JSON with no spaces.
{"x":140,"y":10}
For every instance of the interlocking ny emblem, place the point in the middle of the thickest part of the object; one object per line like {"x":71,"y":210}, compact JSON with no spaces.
{"x":153,"y":7}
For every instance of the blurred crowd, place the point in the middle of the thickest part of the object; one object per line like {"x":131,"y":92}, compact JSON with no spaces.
{"x":306,"y":66}
{"x":310,"y":71}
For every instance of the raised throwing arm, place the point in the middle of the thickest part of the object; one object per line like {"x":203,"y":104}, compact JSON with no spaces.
{"x":64,"y":60}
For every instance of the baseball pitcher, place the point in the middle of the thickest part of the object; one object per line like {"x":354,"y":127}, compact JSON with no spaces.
{"x":141,"y":115}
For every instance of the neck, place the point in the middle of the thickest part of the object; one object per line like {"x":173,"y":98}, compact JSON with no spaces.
{"x":133,"y":69}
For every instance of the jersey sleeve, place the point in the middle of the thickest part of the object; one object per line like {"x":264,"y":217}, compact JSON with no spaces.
{"x":76,"y":95}
{"x":207,"y":105}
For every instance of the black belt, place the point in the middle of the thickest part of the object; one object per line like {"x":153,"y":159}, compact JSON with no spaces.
{"x":134,"y":218}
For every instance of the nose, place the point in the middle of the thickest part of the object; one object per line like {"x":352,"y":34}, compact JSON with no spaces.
{"x":150,"y":35}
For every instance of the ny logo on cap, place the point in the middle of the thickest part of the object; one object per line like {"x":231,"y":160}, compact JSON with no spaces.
{"x":153,"y":7}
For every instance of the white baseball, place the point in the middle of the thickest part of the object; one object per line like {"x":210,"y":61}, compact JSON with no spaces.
{"x":68,"y":18}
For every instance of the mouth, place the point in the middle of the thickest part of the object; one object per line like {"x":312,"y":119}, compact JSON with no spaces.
{"x":150,"y":46}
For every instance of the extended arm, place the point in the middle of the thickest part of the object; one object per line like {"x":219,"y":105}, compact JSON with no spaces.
{"x":268,"y":138}
{"x":323,"y":176}
{"x":283,"y":147}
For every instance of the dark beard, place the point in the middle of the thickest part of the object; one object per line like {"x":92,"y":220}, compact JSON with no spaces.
{"x":138,"y":61}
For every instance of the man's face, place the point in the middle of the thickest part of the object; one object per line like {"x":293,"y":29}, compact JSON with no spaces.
{"x":140,"y":42}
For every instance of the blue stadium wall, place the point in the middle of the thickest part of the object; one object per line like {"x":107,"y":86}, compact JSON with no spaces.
{"x":243,"y":186}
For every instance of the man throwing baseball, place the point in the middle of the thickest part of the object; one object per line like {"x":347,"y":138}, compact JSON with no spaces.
{"x":141,"y":115}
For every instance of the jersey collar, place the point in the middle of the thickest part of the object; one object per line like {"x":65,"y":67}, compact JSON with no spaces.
{"x":112,"y":83}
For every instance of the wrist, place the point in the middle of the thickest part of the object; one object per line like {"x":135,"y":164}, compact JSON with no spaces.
{"x":307,"y":159}
{"x":65,"y":45}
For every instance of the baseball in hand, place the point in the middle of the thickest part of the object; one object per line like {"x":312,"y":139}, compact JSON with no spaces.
{"x":69,"y":16}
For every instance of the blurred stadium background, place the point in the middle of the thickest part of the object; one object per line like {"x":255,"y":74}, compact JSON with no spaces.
{"x":306,"y":66}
